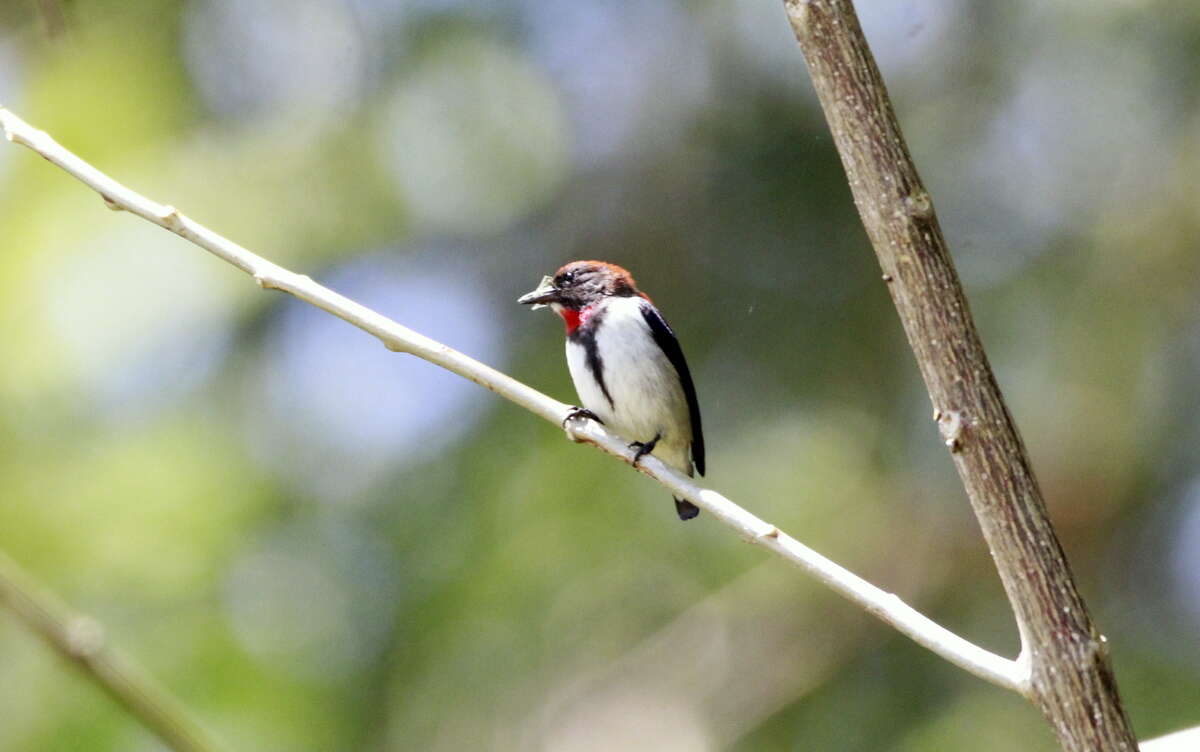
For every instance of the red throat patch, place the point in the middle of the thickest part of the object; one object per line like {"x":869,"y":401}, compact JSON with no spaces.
{"x":576,"y":318}
{"x":571,"y":318}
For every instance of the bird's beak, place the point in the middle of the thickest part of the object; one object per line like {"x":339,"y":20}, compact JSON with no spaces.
{"x":545,"y":294}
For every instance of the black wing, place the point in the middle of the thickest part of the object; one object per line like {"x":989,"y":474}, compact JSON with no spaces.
{"x":665,"y":338}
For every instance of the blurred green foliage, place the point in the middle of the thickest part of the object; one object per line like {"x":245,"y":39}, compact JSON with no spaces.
{"x":319,"y":545}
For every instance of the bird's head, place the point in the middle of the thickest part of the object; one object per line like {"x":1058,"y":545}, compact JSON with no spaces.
{"x":580,"y":284}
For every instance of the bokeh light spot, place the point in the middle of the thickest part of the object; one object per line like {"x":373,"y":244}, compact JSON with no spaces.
{"x":474,"y":136}
{"x":274,"y":58}
{"x":333,"y":411}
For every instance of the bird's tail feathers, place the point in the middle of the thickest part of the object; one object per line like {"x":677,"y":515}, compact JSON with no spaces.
{"x":686,"y":509}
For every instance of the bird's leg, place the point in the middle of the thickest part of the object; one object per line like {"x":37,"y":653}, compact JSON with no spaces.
{"x":580,"y":412}
{"x":644,"y":448}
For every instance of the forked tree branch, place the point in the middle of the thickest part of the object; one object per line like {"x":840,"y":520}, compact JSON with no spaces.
{"x":81,"y":640}
{"x":1001,"y":671}
{"x":1072,"y":679}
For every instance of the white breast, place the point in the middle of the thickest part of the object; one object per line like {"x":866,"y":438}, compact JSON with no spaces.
{"x":647,"y":398}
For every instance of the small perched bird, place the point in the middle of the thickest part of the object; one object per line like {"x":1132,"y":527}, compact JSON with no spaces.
{"x":626,"y":363}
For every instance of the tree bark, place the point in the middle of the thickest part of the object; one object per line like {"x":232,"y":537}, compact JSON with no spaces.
{"x":1071,"y":679}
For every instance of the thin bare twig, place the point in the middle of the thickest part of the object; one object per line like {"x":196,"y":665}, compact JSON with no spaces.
{"x":1186,"y":740}
{"x":886,"y":606}
{"x":81,"y":640}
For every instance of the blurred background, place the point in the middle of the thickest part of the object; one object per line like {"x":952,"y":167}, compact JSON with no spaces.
{"x":319,"y":545}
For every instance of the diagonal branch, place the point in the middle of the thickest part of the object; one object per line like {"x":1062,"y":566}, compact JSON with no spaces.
{"x":80,"y":640}
{"x":1071,"y":675}
{"x":1001,"y":671}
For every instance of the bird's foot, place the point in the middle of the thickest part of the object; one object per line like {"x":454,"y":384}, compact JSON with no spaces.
{"x":580,"y":412}
{"x":644,"y":448}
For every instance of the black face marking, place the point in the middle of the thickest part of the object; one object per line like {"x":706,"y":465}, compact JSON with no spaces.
{"x":585,"y":335}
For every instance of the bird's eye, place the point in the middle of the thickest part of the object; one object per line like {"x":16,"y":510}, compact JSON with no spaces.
{"x":568,"y":277}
